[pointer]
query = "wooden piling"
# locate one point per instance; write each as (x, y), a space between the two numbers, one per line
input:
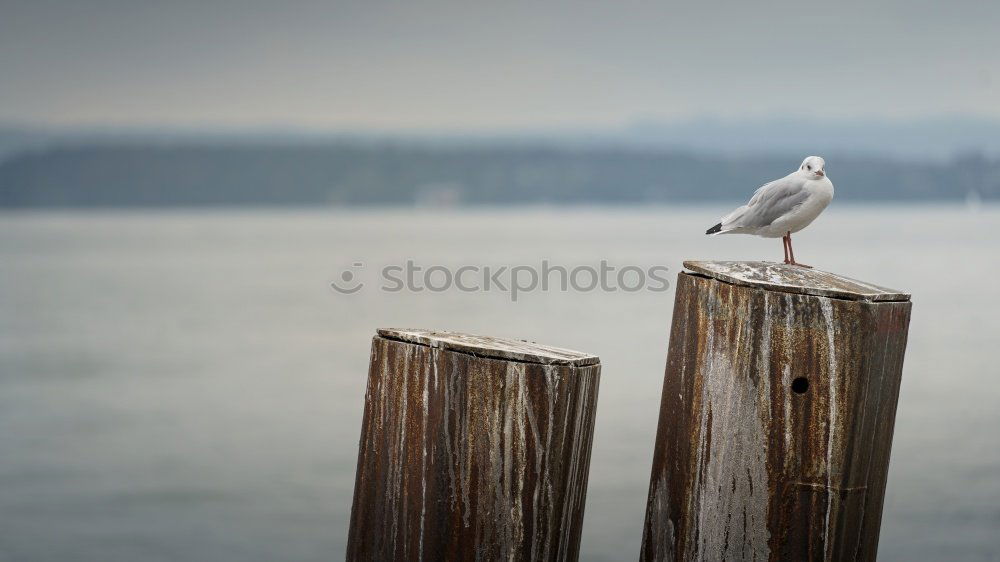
(472, 448)
(776, 417)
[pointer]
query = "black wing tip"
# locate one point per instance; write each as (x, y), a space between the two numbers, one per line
(714, 229)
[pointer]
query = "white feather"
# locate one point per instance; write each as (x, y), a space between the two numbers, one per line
(784, 205)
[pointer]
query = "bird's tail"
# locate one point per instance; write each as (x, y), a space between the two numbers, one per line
(714, 229)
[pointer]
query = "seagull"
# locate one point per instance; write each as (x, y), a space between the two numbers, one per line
(783, 206)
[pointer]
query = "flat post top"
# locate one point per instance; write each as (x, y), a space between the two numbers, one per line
(794, 279)
(494, 348)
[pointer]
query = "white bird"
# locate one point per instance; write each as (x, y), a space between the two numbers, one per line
(783, 206)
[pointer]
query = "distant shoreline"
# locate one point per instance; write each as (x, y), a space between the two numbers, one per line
(432, 176)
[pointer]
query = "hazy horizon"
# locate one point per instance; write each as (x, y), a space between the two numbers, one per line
(937, 138)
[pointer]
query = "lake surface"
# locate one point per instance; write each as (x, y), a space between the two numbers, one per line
(186, 385)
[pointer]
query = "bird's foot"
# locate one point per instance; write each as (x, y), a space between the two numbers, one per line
(799, 264)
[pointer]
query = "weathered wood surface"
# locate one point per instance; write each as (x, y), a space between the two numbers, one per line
(794, 279)
(472, 449)
(497, 348)
(776, 422)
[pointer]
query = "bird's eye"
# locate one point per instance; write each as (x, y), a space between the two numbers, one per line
(809, 168)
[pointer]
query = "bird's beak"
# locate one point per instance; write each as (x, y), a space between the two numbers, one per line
(820, 173)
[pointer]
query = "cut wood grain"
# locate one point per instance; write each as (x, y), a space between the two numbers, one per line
(794, 279)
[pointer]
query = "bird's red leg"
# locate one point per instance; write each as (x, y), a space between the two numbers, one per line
(784, 245)
(791, 253)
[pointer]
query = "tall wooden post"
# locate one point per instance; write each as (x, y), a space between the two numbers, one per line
(472, 448)
(777, 415)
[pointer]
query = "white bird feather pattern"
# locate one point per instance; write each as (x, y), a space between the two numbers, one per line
(783, 206)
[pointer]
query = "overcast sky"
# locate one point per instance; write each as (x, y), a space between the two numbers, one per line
(470, 65)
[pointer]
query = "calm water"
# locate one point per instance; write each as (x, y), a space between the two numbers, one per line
(186, 386)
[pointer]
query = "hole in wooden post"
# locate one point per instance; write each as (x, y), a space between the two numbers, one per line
(800, 385)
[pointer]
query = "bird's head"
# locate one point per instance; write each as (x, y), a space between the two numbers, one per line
(813, 167)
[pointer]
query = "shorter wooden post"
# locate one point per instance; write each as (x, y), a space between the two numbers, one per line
(472, 448)
(776, 420)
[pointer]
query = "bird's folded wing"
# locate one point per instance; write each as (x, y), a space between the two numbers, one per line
(772, 201)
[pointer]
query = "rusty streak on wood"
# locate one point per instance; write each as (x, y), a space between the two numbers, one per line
(472, 448)
(777, 415)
